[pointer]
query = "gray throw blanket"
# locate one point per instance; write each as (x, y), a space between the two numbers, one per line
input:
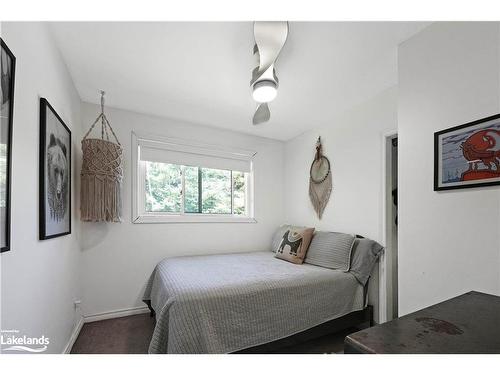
(225, 303)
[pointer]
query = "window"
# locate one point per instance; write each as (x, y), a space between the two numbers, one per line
(178, 181)
(206, 190)
(163, 187)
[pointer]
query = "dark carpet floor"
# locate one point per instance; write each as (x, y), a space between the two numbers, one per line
(131, 335)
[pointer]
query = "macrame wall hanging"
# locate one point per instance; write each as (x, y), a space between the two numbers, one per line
(102, 173)
(320, 180)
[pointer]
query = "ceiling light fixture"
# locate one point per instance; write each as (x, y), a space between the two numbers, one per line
(264, 91)
(270, 37)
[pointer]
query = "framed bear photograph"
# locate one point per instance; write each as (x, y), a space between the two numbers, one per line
(7, 70)
(55, 174)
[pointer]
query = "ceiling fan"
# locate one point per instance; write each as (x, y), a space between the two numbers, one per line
(270, 37)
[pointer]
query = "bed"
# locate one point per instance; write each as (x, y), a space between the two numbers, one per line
(232, 302)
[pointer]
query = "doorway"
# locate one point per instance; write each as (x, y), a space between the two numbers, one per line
(391, 225)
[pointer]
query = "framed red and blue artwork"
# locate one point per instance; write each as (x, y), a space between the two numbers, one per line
(468, 155)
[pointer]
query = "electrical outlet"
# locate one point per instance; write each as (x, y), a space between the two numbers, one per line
(77, 304)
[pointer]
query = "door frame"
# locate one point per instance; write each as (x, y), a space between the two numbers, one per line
(385, 290)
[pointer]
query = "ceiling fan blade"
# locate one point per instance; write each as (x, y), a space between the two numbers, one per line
(262, 114)
(270, 37)
(269, 74)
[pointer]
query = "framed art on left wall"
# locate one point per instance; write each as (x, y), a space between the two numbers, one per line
(7, 69)
(55, 174)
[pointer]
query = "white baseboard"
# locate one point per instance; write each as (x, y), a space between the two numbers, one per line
(74, 335)
(115, 314)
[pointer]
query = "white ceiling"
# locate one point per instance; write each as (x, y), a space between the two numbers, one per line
(200, 71)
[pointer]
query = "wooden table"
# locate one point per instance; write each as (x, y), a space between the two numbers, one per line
(469, 323)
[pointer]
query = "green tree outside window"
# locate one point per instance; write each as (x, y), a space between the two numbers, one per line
(206, 190)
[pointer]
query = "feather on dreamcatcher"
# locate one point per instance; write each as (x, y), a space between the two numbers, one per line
(320, 180)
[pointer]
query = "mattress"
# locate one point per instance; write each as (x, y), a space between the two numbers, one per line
(224, 303)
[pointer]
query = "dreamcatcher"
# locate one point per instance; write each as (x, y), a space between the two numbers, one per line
(320, 180)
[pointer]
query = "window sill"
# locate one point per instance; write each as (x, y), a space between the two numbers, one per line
(173, 219)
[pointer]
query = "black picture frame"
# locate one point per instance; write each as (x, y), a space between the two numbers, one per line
(45, 110)
(467, 177)
(6, 226)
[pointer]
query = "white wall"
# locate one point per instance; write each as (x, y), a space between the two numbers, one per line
(353, 144)
(118, 258)
(39, 279)
(448, 241)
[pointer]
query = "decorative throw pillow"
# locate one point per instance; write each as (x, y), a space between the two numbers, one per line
(294, 244)
(278, 236)
(365, 253)
(331, 250)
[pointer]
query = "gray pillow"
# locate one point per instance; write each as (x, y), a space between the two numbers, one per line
(330, 250)
(365, 253)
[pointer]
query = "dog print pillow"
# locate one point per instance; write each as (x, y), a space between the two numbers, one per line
(294, 244)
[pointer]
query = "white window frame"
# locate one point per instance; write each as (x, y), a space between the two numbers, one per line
(139, 214)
